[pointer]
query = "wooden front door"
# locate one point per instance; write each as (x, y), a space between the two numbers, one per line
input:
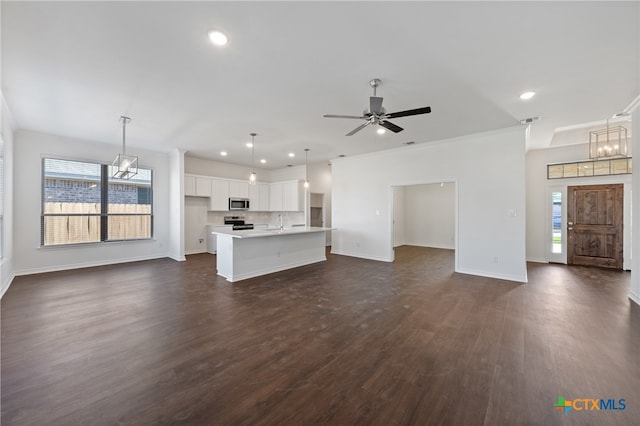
(594, 225)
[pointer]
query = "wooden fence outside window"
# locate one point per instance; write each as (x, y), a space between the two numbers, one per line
(70, 223)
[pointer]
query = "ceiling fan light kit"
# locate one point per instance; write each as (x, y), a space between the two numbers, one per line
(376, 114)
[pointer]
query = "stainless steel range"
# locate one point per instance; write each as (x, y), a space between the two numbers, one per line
(237, 222)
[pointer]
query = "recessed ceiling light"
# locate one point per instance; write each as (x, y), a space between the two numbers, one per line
(527, 95)
(381, 131)
(249, 145)
(223, 153)
(263, 161)
(291, 154)
(218, 38)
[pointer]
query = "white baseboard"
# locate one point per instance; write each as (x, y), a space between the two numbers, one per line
(634, 297)
(436, 246)
(537, 260)
(5, 286)
(358, 255)
(86, 265)
(507, 277)
(195, 251)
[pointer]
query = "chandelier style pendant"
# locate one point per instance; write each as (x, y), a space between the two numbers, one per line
(608, 142)
(124, 166)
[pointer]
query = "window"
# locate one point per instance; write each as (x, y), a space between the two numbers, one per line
(556, 223)
(82, 203)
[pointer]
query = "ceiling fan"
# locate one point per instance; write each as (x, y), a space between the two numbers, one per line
(376, 114)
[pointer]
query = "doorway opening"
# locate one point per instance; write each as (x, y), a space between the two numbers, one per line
(316, 209)
(425, 215)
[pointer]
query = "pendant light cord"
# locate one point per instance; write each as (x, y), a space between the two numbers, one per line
(124, 127)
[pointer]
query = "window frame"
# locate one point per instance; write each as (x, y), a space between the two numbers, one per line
(104, 179)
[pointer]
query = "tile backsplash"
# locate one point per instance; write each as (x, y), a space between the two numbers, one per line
(270, 218)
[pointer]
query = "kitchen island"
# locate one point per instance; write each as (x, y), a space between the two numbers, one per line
(253, 252)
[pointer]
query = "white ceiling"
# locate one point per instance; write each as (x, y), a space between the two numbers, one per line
(73, 68)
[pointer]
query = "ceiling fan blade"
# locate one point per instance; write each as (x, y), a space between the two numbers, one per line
(357, 129)
(375, 104)
(343, 116)
(391, 126)
(417, 111)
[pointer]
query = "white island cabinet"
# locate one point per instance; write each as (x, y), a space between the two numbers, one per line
(254, 252)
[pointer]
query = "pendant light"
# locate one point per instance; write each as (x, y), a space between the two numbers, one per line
(306, 168)
(252, 176)
(124, 166)
(608, 142)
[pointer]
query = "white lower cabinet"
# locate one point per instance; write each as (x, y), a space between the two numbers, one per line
(212, 246)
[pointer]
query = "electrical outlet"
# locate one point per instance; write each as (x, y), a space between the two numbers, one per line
(201, 240)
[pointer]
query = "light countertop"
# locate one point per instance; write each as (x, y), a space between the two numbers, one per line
(256, 233)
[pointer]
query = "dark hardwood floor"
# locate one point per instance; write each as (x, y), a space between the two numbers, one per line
(347, 341)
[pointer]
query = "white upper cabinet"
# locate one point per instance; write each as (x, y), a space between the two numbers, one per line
(197, 186)
(264, 197)
(275, 197)
(293, 196)
(259, 197)
(219, 200)
(189, 186)
(238, 189)
(203, 187)
(286, 196)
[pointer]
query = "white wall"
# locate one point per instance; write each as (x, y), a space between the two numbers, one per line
(7, 261)
(634, 293)
(176, 205)
(289, 173)
(429, 215)
(489, 169)
(538, 208)
(201, 166)
(398, 216)
(29, 257)
(195, 219)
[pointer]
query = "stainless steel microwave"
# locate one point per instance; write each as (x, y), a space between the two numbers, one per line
(238, 204)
